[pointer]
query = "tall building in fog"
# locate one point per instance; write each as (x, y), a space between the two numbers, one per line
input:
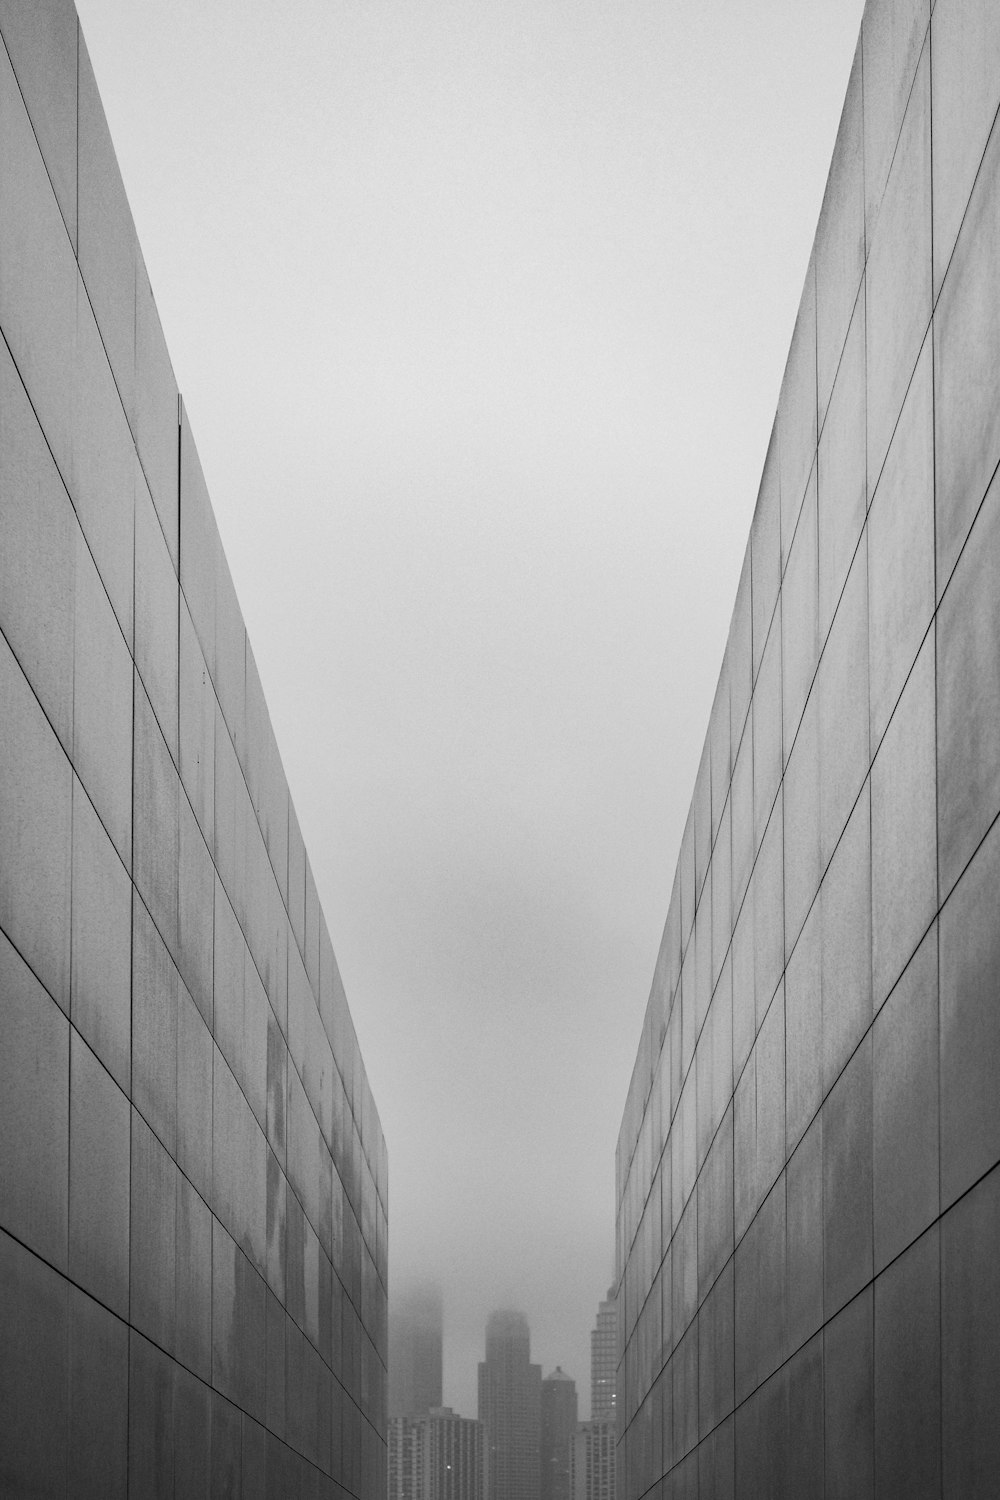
(455, 1449)
(439, 1456)
(592, 1461)
(510, 1408)
(604, 1359)
(558, 1425)
(415, 1342)
(406, 1459)
(592, 1455)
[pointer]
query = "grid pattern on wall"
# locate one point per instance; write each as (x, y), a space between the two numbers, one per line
(193, 1179)
(807, 1183)
(592, 1460)
(436, 1456)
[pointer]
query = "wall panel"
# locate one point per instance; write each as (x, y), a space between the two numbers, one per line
(859, 1124)
(176, 1269)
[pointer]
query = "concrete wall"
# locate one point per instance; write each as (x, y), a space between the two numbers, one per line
(192, 1172)
(808, 1193)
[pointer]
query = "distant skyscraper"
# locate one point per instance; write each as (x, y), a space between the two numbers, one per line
(406, 1467)
(440, 1456)
(415, 1351)
(558, 1426)
(455, 1449)
(592, 1461)
(510, 1408)
(603, 1360)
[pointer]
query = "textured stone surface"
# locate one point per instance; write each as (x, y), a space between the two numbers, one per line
(168, 1124)
(860, 972)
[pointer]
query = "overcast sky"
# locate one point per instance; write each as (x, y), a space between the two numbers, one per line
(480, 313)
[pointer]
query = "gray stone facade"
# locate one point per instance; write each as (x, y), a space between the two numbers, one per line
(192, 1172)
(808, 1192)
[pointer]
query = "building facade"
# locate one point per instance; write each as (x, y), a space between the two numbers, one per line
(604, 1360)
(406, 1459)
(456, 1456)
(193, 1179)
(558, 1425)
(510, 1409)
(807, 1173)
(415, 1350)
(592, 1460)
(437, 1456)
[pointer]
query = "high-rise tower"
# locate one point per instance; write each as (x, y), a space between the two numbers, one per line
(592, 1455)
(603, 1359)
(456, 1459)
(439, 1456)
(558, 1425)
(407, 1459)
(510, 1406)
(592, 1461)
(415, 1342)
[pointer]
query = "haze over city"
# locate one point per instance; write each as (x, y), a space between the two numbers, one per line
(480, 320)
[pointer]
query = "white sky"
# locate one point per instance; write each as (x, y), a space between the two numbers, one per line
(480, 315)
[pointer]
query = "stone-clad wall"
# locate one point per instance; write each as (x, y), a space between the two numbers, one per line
(808, 1192)
(192, 1172)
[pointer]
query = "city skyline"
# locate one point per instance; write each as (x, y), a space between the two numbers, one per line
(194, 1172)
(454, 349)
(466, 239)
(418, 1350)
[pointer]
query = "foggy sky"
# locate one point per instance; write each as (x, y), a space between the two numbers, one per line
(480, 315)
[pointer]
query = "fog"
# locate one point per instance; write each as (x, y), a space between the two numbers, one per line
(480, 315)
